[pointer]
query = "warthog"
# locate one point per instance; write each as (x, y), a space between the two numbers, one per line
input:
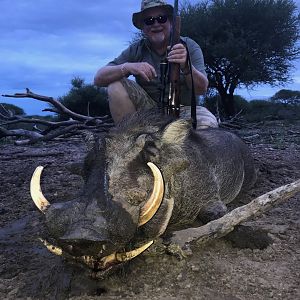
(148, 176)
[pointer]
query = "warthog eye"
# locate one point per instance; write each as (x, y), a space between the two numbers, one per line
(150, 151)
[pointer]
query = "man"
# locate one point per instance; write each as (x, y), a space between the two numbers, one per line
(142, 60)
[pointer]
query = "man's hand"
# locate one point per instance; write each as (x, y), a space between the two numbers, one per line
(178, 54)
(142, 69)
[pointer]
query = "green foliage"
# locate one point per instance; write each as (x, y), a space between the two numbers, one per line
(253, 41)
(244, 42)
(13, 108)
(86, 99)
(286, 97)
(241, 104)
(260, 110)
(214, 104)
(260, 104)
(255, 110)
(77, 82)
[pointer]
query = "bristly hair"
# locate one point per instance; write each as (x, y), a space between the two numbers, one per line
(144, 120)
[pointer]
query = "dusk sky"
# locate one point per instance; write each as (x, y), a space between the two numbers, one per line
(45, 43)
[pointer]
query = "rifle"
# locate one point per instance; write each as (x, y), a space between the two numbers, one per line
(170, 72)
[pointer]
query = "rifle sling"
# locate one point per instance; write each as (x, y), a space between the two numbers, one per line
(193, 95)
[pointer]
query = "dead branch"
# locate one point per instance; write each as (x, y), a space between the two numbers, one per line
(59, 107)
(34, 138)
(18, 119)
(51, 110)
(19, 133)
(229, 125)
(222, 226)
(236, 116)
(51, 129)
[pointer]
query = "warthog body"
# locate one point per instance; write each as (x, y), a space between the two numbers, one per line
(201, 171)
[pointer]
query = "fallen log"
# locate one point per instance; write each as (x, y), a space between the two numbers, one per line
(222, 226)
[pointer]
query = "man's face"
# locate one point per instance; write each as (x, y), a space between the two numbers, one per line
(157, 33)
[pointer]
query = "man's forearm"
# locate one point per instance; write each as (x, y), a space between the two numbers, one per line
(200, 81)
(108, 74)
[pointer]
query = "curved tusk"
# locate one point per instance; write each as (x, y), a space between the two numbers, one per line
(153, 203)
(35, 190)
(124, 256)
(132, 254)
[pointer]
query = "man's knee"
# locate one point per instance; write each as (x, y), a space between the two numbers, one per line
(120, 103)
(205, 119)
(116, 90)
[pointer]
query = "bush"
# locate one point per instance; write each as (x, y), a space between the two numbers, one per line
(13, 108)
(256, 110)
(288, 97)
(241, 104)
(265, 109)
(86, 99)
(214, 105)
(211, 103)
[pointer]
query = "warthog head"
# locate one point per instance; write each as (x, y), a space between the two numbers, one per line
(122, 192)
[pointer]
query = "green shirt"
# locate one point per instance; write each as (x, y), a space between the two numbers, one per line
(141, 52)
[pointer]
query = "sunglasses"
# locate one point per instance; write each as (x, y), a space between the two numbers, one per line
(151, 20)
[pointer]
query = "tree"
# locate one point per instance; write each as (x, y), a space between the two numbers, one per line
(16, 110)
(244, 42)
(86, 99)
(286, 97)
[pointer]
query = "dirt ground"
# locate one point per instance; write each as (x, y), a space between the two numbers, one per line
(213, 271)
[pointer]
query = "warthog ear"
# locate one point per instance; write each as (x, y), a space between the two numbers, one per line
(176, 132)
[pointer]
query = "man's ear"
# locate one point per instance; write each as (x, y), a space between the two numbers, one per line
(176, 132)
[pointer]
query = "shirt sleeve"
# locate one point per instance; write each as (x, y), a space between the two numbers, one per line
(128, 55)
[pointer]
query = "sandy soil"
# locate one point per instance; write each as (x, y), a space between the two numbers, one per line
(216, 270)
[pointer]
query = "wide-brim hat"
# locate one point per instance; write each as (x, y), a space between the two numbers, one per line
(137, 18)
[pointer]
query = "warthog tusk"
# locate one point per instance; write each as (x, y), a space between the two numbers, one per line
(124, 256)
(35, 190)
(102, 263)
(153, 203)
